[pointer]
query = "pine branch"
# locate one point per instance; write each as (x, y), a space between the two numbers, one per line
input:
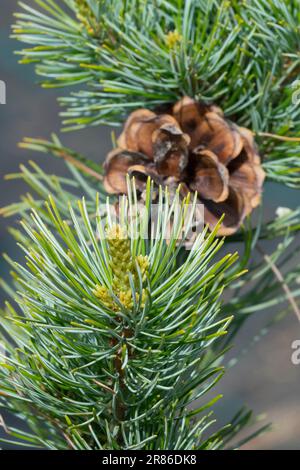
(143, 54)
(119, 357)
(140, 54)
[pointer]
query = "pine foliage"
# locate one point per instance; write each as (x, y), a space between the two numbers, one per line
(118, 342)
(123, 55)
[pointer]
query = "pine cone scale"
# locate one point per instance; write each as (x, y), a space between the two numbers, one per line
(209, 177)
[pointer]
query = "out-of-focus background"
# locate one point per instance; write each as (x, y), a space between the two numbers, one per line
(264, 378)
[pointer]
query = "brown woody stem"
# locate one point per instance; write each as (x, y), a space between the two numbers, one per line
(120, 408)
(281, 280)
(81, 166)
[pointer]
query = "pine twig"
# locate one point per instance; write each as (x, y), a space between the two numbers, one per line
(281, 280)
(81, 166)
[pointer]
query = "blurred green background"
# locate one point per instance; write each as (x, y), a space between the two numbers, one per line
(264, 378)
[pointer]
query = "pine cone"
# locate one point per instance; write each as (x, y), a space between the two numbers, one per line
(196, 146)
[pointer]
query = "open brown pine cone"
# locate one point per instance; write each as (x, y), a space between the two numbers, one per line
(196, 146)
